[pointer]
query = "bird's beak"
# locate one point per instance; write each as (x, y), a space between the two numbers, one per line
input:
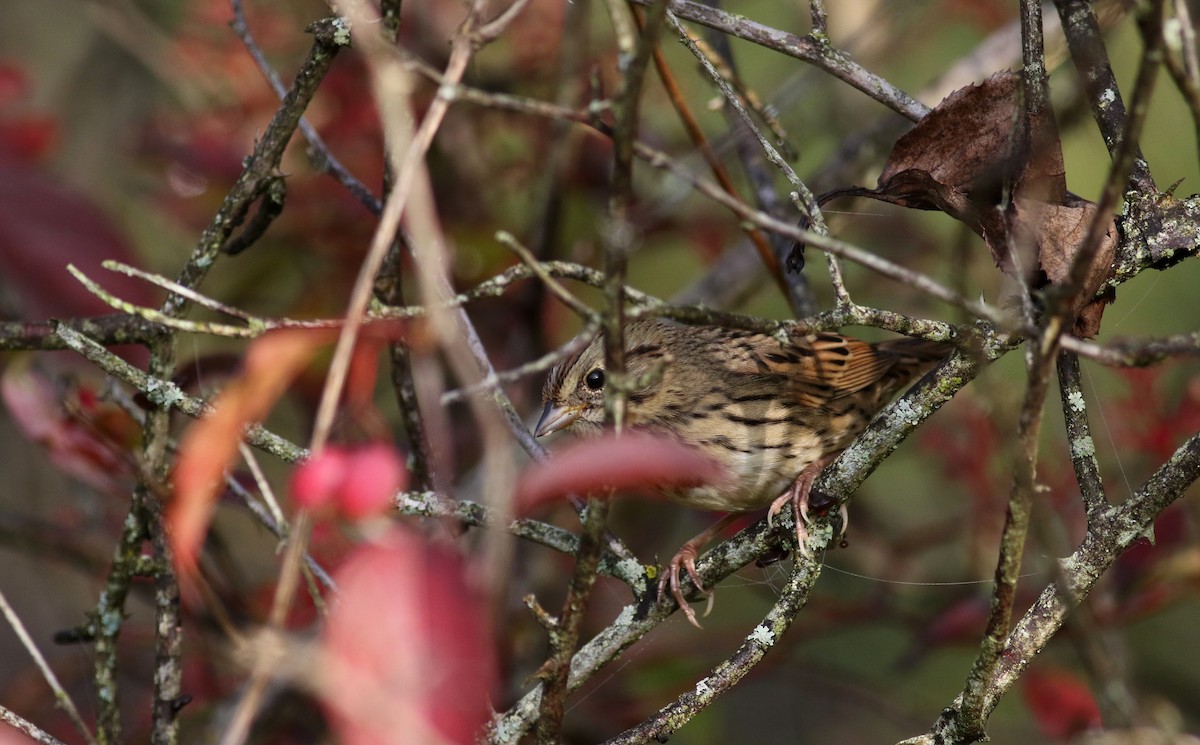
(555, 418)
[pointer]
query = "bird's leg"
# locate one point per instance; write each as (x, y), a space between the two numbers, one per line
(685, 557)
(797, 496)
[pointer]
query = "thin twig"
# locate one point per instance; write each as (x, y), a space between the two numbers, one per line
(319, 153)
(1040, 354)
(1079, 436)
(1084, 39)
(700, 142)
(805, 48)
(617, 239)
(765, 635)
(263, 162)
(28, 728)
(541, 364)
(61, 697)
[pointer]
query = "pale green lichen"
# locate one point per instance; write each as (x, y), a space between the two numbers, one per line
(630, 567)
(1083, 447)
(1075, 399)
(625, 617)
(907, 412)
(171, 397)
(509, 729)
(1106, 98)
(1172, 31)
(762, 635)
(341, 32)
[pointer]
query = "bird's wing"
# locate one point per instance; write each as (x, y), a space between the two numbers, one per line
(817, 368)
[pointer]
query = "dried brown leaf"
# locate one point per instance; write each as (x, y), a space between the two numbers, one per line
(979, 157)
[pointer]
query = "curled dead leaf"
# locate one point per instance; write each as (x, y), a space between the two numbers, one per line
(981, 158)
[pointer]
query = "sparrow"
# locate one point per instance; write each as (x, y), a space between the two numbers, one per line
(772, 413)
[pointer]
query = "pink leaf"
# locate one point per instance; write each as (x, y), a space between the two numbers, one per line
(373, 475)
(315, 482)
(208, 446)
(628, 461)
(407, 651)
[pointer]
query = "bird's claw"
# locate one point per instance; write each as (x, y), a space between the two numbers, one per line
(686, 558)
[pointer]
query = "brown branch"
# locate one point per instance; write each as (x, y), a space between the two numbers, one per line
(1079, 436)
(1040, 353)
(262, 164)
(111, 330)
(1090, 56)
(804, 48)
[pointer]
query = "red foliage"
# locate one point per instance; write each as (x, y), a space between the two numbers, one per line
(86, 439)
(23, 136)
(407, 651)
(353, 482)
(45, 224)
(1149, 422)
(208, 447)
(1061, 703)
(628, 461)
(1150, 576)
(966, 448)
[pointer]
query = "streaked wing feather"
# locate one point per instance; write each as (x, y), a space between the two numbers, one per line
(819, 368)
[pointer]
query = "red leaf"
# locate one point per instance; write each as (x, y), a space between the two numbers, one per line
(208, 446)
(407, 651)
(93, 451)
(373, 475)
(356, 482)
(628, 461)
(315, 481)
(1061, 703)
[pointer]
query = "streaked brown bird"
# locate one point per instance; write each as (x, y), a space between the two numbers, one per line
(771, 413)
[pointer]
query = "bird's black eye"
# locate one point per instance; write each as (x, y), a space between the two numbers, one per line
(595, 379)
